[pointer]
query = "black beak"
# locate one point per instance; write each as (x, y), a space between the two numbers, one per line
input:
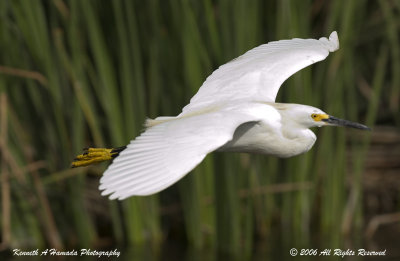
(339, 122)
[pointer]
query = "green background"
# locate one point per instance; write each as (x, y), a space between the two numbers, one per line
(80, 73)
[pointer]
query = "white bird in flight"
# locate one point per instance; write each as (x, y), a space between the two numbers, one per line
(234, 110)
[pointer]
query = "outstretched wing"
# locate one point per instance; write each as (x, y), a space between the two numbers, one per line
(259, 73)
(166, 152)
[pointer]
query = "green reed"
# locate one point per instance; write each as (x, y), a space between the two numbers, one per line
(88, 73)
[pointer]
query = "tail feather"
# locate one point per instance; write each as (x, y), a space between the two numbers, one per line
(95, 155)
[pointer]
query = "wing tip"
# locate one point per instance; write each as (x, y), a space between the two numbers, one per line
(121, 194)
(333, 42)
(112, 194)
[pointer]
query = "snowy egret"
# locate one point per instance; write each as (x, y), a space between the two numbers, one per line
(234, 110)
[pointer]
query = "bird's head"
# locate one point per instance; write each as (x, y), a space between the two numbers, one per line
(315, 117)
(309, 116)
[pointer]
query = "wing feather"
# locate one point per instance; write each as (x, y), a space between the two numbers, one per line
(166, 152)
(259, 73)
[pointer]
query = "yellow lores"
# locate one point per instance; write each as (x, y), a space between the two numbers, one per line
(319, 117)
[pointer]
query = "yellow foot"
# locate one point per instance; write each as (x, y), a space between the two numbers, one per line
(95, 155)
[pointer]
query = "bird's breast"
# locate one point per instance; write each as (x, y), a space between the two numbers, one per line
(262, 138)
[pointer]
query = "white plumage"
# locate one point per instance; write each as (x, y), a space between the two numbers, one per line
(234, 110)
(259, 73)
(164, 153)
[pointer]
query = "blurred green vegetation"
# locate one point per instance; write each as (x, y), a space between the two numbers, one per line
(87, 73)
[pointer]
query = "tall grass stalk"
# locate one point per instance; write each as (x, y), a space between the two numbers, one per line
(88, 73)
